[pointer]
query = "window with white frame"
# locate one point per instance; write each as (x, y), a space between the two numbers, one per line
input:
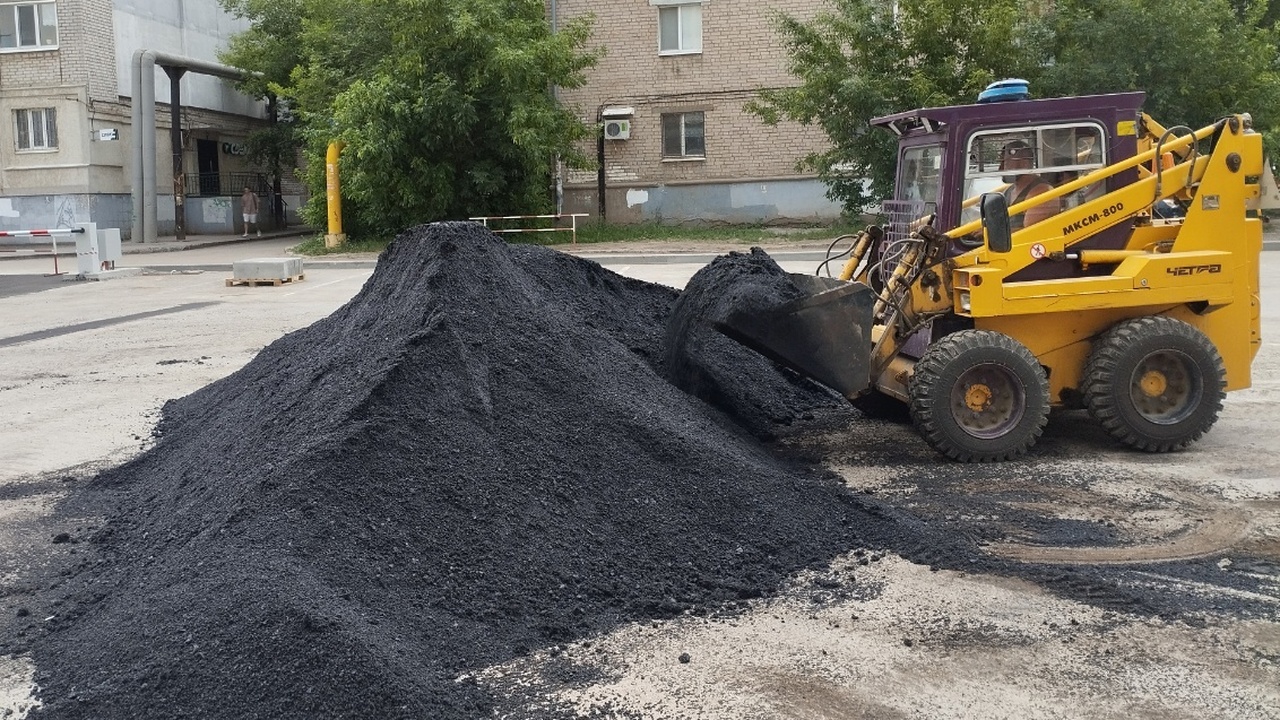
(28, 26)
(37, 129)
(683, 135)
(679, 28)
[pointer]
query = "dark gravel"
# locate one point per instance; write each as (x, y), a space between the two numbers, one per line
(476, 457)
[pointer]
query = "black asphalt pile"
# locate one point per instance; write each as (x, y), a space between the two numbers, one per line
(476, 457)
(708, 364)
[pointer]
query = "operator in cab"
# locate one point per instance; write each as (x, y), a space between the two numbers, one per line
(1017, 159)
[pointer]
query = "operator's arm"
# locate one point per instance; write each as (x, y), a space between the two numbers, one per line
(1043, 211)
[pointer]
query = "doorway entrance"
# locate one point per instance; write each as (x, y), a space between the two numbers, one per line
(207, 162)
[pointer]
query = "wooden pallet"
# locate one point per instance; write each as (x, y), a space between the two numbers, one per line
(277, 282)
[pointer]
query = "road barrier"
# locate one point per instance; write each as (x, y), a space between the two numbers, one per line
(51, 234)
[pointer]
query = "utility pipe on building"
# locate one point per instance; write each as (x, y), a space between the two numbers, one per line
(143, 133)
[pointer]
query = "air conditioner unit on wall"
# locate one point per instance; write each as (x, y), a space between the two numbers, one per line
(617, 129)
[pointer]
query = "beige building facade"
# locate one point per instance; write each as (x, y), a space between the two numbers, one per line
(66, 135)
(678, 145)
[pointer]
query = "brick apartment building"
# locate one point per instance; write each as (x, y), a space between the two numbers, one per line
(66, 101)
(670, 93)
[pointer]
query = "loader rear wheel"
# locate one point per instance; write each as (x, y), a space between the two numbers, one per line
(979, 396)
(1155, 383)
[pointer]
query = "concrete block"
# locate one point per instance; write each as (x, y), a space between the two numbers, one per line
(267, 269)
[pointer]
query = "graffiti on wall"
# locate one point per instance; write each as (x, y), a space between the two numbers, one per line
(216, 211)
(68, 212)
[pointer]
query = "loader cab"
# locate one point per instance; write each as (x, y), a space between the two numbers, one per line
(949, 156)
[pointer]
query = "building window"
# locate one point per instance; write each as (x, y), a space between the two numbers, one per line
(37, 129)
(683, 135)
(28, 26)
(679, 29)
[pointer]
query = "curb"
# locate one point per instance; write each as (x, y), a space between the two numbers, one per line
(227, 266)
(132, 248)
(167, 246)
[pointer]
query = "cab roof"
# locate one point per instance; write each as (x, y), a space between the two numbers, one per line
(930, 120)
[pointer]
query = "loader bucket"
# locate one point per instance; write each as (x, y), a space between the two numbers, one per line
(824, 335)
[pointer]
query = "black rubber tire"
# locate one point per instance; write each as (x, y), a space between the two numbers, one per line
(1155, 383)
(979, 396)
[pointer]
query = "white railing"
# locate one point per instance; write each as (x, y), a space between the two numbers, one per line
(572, 228)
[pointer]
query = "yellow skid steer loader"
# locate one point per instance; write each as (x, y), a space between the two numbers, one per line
(1125, 282)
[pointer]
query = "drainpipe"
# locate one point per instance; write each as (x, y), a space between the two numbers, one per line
(600, 179)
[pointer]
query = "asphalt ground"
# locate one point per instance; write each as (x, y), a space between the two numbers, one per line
(88, 365)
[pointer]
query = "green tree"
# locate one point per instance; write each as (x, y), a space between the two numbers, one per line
(1196, 59)
(272, 57)
(859, 60)
(444, 106)
(1201, 59)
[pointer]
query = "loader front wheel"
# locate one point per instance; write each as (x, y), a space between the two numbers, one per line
(979, 396)
(1155, 383)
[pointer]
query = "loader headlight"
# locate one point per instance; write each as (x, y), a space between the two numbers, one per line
(964, 302)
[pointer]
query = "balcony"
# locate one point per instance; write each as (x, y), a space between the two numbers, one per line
(225, 184)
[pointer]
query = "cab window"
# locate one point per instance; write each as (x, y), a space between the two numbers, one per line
(1059, 153)
(921, 170)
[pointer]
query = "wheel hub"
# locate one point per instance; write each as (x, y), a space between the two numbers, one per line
(1163, 388)
(1153, 383)
(977, 397)
(988, 401)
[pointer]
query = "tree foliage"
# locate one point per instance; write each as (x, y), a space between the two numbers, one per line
(1196, 60)
(1211, 58)
(444, 106)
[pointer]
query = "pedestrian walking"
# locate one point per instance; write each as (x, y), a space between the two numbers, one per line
(249, 206)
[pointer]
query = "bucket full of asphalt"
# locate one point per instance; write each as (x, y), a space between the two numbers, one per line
(491, 449)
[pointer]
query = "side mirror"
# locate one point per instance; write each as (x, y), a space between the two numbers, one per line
(995, 222)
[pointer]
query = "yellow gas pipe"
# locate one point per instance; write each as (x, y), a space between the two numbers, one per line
(333, 195)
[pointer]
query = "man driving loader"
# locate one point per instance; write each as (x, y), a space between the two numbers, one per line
(1019, 158)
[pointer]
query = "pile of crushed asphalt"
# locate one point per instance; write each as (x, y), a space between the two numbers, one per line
(706, 363)
(478, 456)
